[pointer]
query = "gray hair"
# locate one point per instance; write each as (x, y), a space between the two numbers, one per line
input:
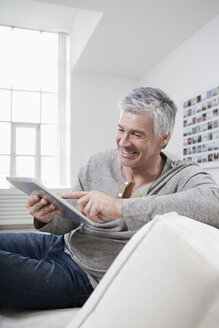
(154, 102)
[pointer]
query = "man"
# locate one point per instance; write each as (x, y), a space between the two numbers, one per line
(120, 191)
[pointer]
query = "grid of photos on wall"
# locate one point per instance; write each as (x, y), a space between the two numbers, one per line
(201, 128)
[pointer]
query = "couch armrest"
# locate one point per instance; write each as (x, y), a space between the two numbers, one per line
(166, 276)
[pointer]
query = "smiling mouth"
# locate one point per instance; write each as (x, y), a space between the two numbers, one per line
(128, 153)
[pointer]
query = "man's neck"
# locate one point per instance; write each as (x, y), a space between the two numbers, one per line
(143, 175)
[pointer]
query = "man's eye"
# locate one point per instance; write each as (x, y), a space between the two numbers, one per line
(137, 135)
(121, 130)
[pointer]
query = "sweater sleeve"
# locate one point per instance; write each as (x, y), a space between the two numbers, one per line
(60, 225)
(197, 197)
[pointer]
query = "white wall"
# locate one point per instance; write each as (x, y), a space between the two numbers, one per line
(82, 29)
(94, 115)
(191, 68)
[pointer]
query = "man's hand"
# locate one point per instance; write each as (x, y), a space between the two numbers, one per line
(41, 209)
(95, 204)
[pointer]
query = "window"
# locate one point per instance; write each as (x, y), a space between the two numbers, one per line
(33, 112)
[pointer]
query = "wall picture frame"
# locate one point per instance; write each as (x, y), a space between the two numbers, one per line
(201, 128)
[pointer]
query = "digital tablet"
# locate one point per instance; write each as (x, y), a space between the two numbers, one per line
(32, 186)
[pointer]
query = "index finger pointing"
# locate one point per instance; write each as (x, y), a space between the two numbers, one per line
(74, 194)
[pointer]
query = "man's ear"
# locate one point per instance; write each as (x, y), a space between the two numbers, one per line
(164, 140)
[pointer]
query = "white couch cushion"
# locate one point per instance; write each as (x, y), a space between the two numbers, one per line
(36, 319)
(166, 276)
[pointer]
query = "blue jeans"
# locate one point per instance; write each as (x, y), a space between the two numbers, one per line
(36, 273)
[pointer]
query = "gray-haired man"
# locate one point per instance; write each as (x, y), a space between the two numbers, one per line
(121, 190)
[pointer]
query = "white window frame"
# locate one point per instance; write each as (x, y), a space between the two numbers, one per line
(62, 107)
(14, 126)
(62, 126)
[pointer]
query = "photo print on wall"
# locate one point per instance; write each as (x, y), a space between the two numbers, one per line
(201, 128)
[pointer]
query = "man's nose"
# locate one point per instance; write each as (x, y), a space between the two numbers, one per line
(125, 140)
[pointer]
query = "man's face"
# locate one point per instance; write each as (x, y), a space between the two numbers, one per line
(135, 140)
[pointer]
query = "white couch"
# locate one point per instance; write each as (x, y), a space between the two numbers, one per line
(167, 276)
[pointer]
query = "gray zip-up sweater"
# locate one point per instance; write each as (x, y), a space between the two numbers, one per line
(183, 187)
